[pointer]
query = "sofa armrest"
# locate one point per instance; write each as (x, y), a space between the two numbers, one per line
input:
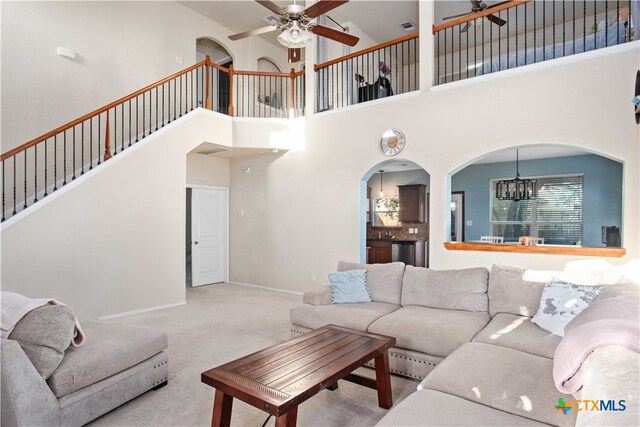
(320, 296)
(26, 398)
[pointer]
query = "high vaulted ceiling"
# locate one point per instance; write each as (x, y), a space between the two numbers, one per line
(378, 19)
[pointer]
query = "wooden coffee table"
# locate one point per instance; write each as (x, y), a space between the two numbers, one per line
(279, 378)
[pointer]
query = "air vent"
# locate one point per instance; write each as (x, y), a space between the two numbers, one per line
(408, 26)
(271, 20)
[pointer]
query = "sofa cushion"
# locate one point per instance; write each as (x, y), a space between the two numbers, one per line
(433, 408)
(464, 289)
(355, 316)
(509, 293)
(384, 281)
(612, 372)
(109, 348)
(432, 331)
(519, 333)
(622, 290)
(44, 334)
(502, 378)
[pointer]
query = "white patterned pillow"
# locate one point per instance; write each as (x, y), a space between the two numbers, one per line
(562, 301)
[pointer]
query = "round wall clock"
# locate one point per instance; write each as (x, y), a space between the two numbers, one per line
(392, 142)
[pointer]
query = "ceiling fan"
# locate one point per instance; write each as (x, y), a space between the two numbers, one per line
(295, 24)
(477, 6)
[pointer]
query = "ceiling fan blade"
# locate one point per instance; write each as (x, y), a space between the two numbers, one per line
(465, 28)
(496, 20)
(253, 32)
(322, 6)
(272, 6)
(457, 16)
(336, 35)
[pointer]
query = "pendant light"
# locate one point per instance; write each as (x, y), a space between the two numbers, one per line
(381, 192)
(517, 189)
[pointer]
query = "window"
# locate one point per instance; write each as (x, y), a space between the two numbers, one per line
(385, 211)
(556, 215)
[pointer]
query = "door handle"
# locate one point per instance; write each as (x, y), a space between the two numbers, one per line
(196, 243)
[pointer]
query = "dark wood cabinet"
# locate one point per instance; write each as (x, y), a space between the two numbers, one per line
(378, 251)
(412, 202)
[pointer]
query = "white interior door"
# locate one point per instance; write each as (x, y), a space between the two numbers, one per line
(208, 236)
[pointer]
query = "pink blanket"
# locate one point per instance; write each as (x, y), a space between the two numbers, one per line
(603, 323)
(15, 307)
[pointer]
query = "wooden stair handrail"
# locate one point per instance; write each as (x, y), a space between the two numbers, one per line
(206, 62)
(27, 145)
(260, 73)
(352, 55)
(462, 20)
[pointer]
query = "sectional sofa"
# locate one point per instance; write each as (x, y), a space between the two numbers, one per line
(48, 383)
(468, 335)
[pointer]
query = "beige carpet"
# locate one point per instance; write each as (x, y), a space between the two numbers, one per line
(220, 323)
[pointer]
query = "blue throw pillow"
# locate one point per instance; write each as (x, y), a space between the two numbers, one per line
(349, 286)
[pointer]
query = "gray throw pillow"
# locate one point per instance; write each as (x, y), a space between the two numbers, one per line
(44, 334)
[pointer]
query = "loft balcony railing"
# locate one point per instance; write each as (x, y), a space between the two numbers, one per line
(535, 31)
(380, 71)
(42, 166)
(267, 95)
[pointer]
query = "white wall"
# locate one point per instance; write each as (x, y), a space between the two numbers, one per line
(121, 47)
(113, 241)
(203, 169)
(303, 208)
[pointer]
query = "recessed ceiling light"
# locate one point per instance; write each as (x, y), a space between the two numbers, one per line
(408, 26)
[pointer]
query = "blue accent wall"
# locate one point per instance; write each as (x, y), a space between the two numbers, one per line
(602, 192)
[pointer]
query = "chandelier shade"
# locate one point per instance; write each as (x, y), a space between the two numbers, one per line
(517, 189)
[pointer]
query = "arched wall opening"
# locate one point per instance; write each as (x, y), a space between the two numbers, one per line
(579, 200)
(219, 80)
(394, 213)
(268, 65)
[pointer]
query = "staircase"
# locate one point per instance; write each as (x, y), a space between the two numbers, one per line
(42, 166)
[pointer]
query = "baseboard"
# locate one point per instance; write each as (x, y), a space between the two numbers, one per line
(142, 310)
(267, 288)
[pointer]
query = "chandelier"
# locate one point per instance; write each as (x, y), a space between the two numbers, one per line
(517, 189)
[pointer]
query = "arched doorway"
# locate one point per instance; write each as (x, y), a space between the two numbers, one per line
(219, 80)
(395, 213)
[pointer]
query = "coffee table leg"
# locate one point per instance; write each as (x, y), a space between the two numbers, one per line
(222, 404)
(289, 419)
(383, 381)
(333, 386)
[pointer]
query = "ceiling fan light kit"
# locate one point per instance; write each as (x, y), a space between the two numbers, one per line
(294, 35)
(296, 26)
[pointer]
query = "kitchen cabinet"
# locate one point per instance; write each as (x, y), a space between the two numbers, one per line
(386, 251)
(412, 202)
(378, 251)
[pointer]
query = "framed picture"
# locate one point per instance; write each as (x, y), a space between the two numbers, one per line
(457, 216)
